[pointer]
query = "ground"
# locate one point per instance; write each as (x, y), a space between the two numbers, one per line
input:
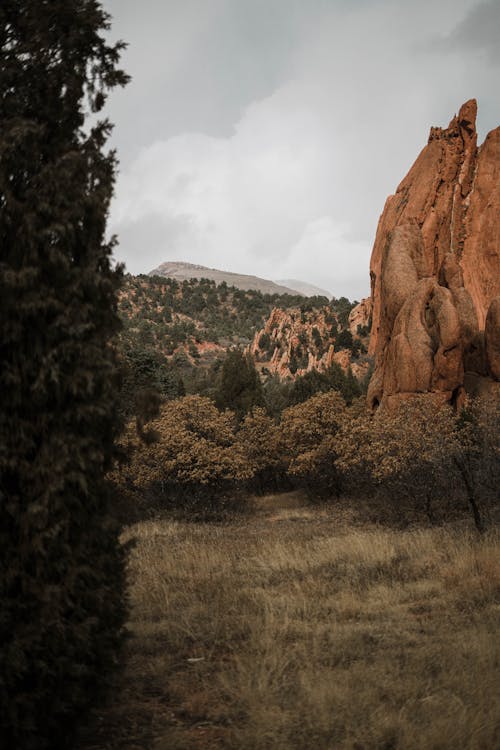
(295, 627)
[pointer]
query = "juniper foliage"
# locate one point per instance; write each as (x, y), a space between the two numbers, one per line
(61, 568)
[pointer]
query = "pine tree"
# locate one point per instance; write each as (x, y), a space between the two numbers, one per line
(239, 388)
(61, 568)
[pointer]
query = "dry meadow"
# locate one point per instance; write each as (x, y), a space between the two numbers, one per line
(291, 627)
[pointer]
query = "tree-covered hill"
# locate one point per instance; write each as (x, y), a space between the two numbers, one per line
(176, 333)
(169, 313)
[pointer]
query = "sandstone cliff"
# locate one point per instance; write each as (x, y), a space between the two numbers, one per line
(435, 271)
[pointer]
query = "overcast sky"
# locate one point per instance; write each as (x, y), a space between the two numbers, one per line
(263, 136)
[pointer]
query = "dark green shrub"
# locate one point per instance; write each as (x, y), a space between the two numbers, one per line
(264, 341)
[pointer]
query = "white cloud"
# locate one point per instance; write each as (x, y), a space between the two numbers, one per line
(293, 184)
(244, 201)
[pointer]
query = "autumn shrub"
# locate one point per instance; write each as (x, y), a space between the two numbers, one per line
(476, 456)
(422, 456)
(309, 439)
(190, 458)
(259, 440)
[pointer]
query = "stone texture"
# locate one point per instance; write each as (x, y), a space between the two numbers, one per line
(360, 315)
(291, 338)
(435, 269)
(492, 339)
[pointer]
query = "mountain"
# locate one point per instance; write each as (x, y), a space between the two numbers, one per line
(435, 271)
(181, 271)
(302, 287)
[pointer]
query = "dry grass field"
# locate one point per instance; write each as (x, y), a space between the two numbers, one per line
(296, 628)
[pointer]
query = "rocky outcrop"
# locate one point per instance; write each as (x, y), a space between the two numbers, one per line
(361, 315)
(294, 342)
(435, 271)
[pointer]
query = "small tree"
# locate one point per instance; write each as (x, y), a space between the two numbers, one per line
(276, 395)
(476, 454)
(259, 440)
(239, 386)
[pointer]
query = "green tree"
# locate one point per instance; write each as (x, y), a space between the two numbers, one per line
(344, 340)
(61, 568)
(314, 381)
(239, 387)
(276, 395)
(264, 341)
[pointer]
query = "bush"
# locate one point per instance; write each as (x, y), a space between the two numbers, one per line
(308, 432)
(190, 457)
(423, 452)
(259, 440)
(264, 342)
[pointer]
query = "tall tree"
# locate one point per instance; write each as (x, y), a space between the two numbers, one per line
(61, 568)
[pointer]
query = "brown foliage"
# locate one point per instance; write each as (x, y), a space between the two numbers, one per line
(194, 449)
(309, 437)
(425, 451)
(259, 439)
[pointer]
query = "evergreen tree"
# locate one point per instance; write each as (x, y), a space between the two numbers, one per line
(61, 568)
(239, 388)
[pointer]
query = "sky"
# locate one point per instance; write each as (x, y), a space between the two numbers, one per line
(263, 136)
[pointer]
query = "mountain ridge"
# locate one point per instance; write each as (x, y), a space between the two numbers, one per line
(182, 270)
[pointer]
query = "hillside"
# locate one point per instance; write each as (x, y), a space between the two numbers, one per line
(185, 271)
(176, 333)
(296, 341)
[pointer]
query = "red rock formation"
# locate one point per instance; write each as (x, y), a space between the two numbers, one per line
(435, 269)
(292, 342)
(360, 315)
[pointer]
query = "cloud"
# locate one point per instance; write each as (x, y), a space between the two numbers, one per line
(478, 32)
(288, 177)
(245, 200)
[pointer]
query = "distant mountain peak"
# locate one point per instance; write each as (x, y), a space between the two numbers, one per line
(303, 287)
(181, 270)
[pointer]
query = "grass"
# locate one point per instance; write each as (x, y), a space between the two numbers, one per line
(296, 628)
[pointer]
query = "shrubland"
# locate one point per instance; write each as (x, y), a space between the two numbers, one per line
(423, 458)
(367, 618)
